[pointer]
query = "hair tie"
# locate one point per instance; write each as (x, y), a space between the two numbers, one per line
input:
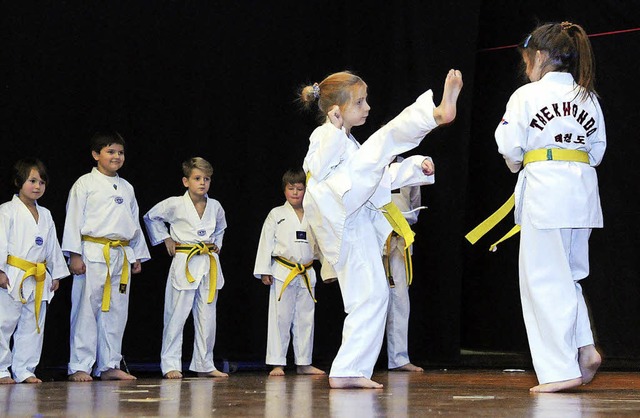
(316, 90)
(566, 25)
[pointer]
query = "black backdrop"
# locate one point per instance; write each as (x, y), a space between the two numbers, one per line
(219, 79)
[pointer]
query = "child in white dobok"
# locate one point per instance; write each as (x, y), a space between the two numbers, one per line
(194, 238)
(284, 262)
(31, 266)
(105, 245)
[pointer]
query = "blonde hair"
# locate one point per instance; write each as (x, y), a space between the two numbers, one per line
(336, 89)
(569, 51)
(199, 163)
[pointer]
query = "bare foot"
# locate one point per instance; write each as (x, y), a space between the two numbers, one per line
(408, 368)
(308, 370)
(446, 110)
(213, 373)
(353, 383)
(173, 374)
(80, 377)
(557, 386)
(7, 381)
(116, 374)
(589, 360)
(31, 379)
(277, 371)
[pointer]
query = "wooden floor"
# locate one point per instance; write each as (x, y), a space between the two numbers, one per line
(457, 393)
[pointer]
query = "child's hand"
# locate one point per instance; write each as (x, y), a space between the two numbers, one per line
(427, 167)
(267, 279)
(171, 246)
(4, 280)
(136, 267)
(215, 249)
(335, 117)
(76, 265)
(55, 285)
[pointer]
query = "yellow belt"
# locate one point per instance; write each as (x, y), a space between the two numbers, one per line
(39, 273)
(543, 154)
(124, 277)
(398, 222)
(201, 249)
(408, 263)
(296, 269)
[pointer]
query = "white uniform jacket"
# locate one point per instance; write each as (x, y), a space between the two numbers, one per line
(103, 207)
(186, 227)
(328, 154)
(21, 236)
(284, 235)
(550, 114)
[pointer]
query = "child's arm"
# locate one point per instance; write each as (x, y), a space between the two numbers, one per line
(171, 246)
(55, 284)
(76, 265)
(266, 246)
(4, 280)
(155, 221)
(221, 226)
(267, 279)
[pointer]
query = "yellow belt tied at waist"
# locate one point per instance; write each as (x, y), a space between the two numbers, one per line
(39, 273)
(408, 263)
(296, 269)
(543, 154)
(124, 277)
(201, 249)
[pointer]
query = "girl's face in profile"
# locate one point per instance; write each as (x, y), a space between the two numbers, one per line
(356, 111)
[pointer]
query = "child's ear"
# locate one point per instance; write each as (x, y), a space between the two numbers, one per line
(185, 182)
(96, 156)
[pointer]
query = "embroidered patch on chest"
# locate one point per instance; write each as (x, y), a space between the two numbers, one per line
(301, 234)
(202, 233)
(39, 241)
(118, 199)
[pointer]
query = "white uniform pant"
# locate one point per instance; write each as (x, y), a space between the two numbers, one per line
(96, 336)
(365, 294)
(398, 312)
(293, 314)
(552, 261)
(177, 306)
(19, 320)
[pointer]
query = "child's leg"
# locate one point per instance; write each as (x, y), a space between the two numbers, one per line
(86, 297)
(27, 343)
(365, 294)
(405, 132)
(549, 306)
(398, 316)
(279, 325)
(588, 357)
(111, 326)
(204, 323)
(303, 331)
(177, 306)
(9, 316)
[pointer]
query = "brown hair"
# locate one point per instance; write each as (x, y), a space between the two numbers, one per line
(293, 176)
(336, 89)
(199, 163)
(22, 168)
(569, 51)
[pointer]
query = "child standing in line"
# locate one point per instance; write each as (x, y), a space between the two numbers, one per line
(102, 237)
(553, 133)
(348, 204)
(194, 238)
(399, 269)
(285, 263)
(31, 266)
